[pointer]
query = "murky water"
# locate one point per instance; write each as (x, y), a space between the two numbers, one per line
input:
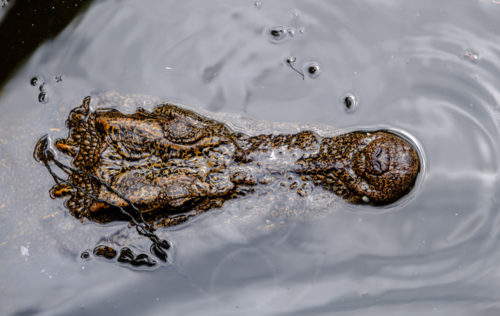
(429, 68)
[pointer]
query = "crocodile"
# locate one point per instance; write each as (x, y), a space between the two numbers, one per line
(169, 164)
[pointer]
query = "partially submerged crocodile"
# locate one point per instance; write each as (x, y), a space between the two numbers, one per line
(169, 164)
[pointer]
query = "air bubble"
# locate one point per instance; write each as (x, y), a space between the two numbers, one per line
(471, 55)
(43, 98)
(277, 34)
(290, 61)
(85, 255)
(350, 102)
(42, 88)
(25, 251)
(257, 4)
(34, 81)
(312, 70)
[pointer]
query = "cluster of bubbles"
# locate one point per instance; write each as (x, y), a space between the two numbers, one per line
(42, 96)
(311, 69)
(278, 34)
(42, 88)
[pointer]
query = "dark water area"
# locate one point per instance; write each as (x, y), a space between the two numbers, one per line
(26, 24)
(429, 69)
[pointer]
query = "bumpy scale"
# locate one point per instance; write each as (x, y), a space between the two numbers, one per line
(172, 163)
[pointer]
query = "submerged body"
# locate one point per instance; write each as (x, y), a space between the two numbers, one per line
(172, 163)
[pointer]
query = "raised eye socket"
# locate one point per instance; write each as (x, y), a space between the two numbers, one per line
(182, 132)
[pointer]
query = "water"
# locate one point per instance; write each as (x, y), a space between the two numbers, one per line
(428, 68)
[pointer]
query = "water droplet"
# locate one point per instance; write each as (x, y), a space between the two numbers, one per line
(290, 31)
(257, 4)
(43, 98)
(290, 61)
(25, 251)
(84, 255)
(34, 81)
(276, 34)
(312, 69)
(42, 88)
(471, 55)
(350, 102)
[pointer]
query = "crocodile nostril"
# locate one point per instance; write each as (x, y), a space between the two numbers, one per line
(380, 160)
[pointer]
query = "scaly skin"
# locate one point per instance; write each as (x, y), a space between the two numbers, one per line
(173, 161)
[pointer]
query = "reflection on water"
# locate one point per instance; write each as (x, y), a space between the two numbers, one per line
(414, 66)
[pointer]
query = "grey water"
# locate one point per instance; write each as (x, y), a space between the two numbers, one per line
(430, 69)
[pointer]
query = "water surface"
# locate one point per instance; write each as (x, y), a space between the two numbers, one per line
(428, 68)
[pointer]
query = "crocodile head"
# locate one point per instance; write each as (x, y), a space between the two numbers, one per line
(172, 161)
(364, 167)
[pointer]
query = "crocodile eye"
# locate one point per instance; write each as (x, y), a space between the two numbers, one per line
(182, 132)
